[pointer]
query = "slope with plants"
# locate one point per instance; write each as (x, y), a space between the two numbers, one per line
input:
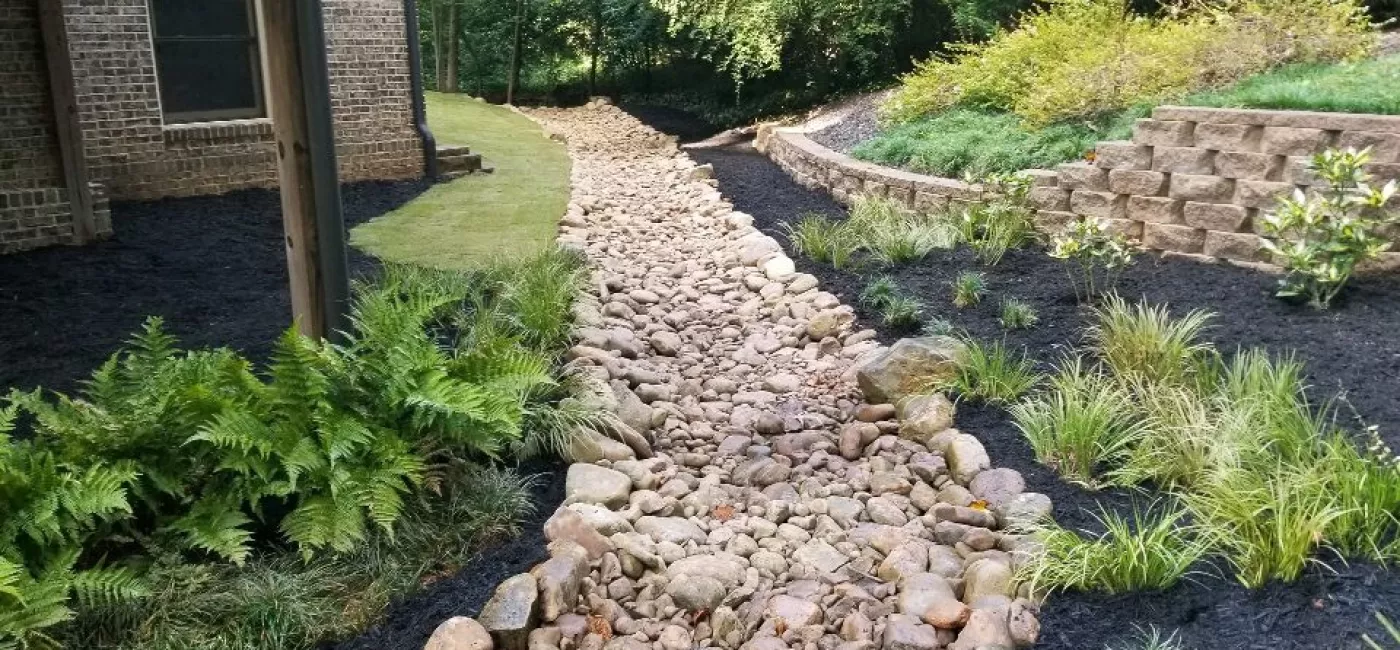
(1078, 71)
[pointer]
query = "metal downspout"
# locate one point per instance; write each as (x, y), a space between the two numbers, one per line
(415, 74)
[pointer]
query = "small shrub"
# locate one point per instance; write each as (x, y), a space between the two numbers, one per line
(893, 235)
(822, 240)
(1145, 552)
(1083, 424)
(1390, 629)
(939, 327)
(879, 292)
(903, 313)
(1002, 220)
(968, 288)
(1321, 238)
(991, 373)
(1145, 341)
(1018, 314)
(1095, 259)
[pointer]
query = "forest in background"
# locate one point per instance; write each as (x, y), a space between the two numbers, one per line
(726, 60)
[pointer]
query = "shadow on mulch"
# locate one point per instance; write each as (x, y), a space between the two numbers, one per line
(410, 621)
(1355, 348)
(213, 267)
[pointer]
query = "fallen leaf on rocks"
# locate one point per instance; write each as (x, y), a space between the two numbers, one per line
(723, 512)
(600, 626)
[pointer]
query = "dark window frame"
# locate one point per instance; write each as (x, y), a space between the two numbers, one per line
(255, 45)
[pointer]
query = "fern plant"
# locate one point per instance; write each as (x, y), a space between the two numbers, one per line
(48, 511)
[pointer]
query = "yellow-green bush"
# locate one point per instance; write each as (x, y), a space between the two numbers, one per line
(1077, 58)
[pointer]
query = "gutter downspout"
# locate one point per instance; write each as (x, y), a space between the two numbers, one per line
(415, 75)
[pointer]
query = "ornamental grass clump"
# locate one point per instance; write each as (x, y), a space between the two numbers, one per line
(968, 289)
(1321, 237)
(1084, 424)
(822, 239)
(993, 374)
(897, 309)
(1095, 259)
(1145, 341)
(1017, 314)
(1147, 551)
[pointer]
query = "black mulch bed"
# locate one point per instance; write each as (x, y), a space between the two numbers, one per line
(1355, 348)
(410, 621)
(213, 267)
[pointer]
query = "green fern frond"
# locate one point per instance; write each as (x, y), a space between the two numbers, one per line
(107, 586)
(218, 525)
(322, 522)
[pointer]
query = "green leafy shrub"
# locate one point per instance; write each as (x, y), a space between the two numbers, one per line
(1084, 424)
(968, 288)
(1080, 58)
(1002, 220)
(1321, 238)
(1017, 314)
(1149, 551)
(1094, 258)
(992, 373)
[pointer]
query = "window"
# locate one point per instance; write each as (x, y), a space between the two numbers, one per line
(207, 59)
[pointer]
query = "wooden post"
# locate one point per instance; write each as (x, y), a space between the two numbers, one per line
(69, 130)
(299, 102)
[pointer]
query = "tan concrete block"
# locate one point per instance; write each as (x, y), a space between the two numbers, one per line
(1228, 137)
(1244, 247)
(1168, 237)
(1214, 216)
(1251, 166)
(1125, 227)
(1123, 155)
(1099, 205)
(1083, 176)
(1050, 198)
(1154, 209)
(1261, 194)
(1043, 177)
(1288, 141)
(1207, 189)
(1164, 133)
(929, 202)
(876, 190)
(1137, 182)
(1297, 170)
(1183, 160)
(1053, 222)
(1385, 147)
(1383, 172)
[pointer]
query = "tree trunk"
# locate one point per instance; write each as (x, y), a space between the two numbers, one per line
(453, 49)
(594, 46)
(516, 52)
(439, 49)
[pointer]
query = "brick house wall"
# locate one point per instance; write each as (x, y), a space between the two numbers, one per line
(133, 154)
(33, 202)
(137, 156)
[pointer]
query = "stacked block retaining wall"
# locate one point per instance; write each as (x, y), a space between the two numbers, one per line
(1194, 181)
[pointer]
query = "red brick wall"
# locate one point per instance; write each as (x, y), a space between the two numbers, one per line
(33, 205)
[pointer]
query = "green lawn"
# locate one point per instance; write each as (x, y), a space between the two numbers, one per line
(471, 220)
(959, 141)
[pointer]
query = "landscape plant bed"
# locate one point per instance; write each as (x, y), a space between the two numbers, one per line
(213, 267)
(1351, 349)
(409, 622)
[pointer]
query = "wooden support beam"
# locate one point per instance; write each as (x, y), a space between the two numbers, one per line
(69, 130)
(300, 106)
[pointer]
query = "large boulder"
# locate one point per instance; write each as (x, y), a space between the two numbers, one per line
(925, 416)
(587, 483)
(908, 367)
(460, 633)
(512, 612)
